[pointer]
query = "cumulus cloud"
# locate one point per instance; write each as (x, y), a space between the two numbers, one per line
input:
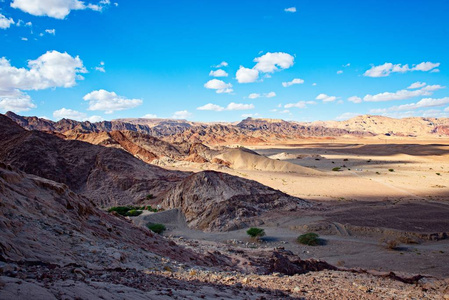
(51, 31)
(403, 94)
(266, 95)
(182, 114)
(423, 103)
(15, 100)
(58, 9)
(5, 22)
(222, 64)
(300, 104)
(218, 73)
(231, 106)
(150, 116)
(416, 85)
(50, 70)
(271, 62)
(355, 99)
(387, 68)
(294, 81)
(66, 113)
(326, 98)
(100, 68)
(290, 9)
(245, 75)
(219, 86)
(109, 101)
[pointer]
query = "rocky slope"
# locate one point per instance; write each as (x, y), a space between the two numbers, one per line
(106, 175)
(213, 201)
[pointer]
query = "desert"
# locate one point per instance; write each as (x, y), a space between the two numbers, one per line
(224, 150)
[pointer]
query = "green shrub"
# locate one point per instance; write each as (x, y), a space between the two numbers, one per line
(336, 169)
(133, 213)
(121, 210)
(156, 228)
(391, 170)
(255, 232)
(310, 239)
(150, 196)
(439, 174)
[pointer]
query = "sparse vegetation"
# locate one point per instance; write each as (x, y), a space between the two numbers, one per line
(310, 239)
(150, 196)
(157, 228)
(391, 170)
(390, 244)
(336, 169)
(377, 173)
(255, 232)
(345, 159)
(439, 174)
(131, 211)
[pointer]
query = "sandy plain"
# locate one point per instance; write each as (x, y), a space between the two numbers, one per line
(385, 190)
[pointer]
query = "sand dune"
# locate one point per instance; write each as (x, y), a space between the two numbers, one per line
(247, 161)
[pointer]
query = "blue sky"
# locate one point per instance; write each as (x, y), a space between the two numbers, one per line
(298, 60)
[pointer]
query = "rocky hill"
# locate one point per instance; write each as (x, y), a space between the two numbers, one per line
(213, 201)
(106, 175)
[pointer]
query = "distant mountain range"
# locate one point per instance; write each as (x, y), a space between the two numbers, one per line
(248, 131)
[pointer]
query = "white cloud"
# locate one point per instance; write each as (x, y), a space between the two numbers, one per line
(245, 75)
(387, 68)
(290, 9)
(250, 115)
(182, 114)
(347, 65)
(109, 101)
(271, 62)
(416, 85)
(211, 106)
(266, 95)
(403, 94)
(52, 69)
(222, 64)
(339, 72)
(100, 68)
(346, 116)
(423, 103)
(51, 31)
(314, 84)
(300, 104)
(219, 86)
(355, 99)
(254, 96)
(231, 106)
(270, 95)
(15, 100)
(326, 98)
(294, 81)
(24, 39)
(218, 73)
(58, 9)
(149, 116)
(66, 113)
(5, 22)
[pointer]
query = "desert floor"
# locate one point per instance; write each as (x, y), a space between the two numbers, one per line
(385, 190)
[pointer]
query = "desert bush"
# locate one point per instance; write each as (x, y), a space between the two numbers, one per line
(391, 170)
(390, 244)
(255, 232)
(310, 239)
(336, 169)
(157, 228)
(133, 213)
(121, 210)
(439, 174)
(150, 196)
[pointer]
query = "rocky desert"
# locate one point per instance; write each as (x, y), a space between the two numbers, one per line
(244, 149)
